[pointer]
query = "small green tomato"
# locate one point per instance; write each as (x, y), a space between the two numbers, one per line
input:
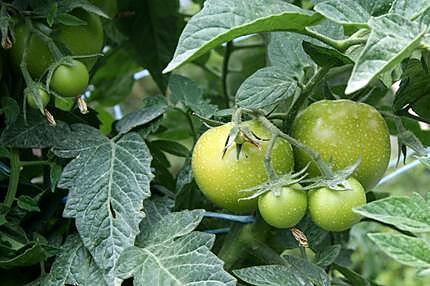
(332, 210)
(285, 209)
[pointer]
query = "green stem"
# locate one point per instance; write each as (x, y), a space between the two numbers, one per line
(268, 158)
(34, 163)
(192, 128)
(295, 108)
(227, 53)
(55, 51)
(341, 45)
(15, 169)
(303, 252)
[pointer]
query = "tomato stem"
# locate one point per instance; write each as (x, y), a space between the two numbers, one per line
(15, 169)
(227, 54)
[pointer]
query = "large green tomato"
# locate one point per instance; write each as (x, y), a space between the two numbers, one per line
(221, 178)
(342, 131)
(285, 210)
(70, 81)
(79, 40)
(332, 210)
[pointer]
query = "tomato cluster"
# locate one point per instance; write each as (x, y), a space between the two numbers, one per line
(341, 131)
(70, 78)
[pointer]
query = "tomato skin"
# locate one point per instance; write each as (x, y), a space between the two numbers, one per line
(285, 210)
(342, 131)
(332, 210)
(79, 40)
(70, 81)
(43, 95)
(221, 178)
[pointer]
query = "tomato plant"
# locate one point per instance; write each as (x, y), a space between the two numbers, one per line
(70, 80)
(214, 142)
(217, 174)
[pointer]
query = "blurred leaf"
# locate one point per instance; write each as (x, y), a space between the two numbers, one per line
(346, 12)
(383, 52)
(310, 271)
(221, 21)
(113, 80)
(28, 203)
(36, 133)
(142, 116)
(74, 265)
(107, 181)
(325, 56)
(405, 249)
(10, 109)
(153, 32)
(351, 276)
(54, 175)
(410, 9)
(266, 87)
(327, 256)
(171, 253)
(32, 253)
(410, 214)
(189, 94)
(172, 147)
(271, 275)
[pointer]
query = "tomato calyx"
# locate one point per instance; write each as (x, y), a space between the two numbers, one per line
(240, 135)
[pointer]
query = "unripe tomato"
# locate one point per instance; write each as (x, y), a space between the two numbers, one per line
(43, 97)
(79, 40)
(70, 81)
(221, 178)
(342, 131)
(332, 210)
(285, 210)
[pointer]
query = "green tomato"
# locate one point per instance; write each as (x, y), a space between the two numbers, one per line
(79, 40)
(70, 81)
(332, 210)
(43, 97)
(284, 210)
(221, 178)
(342, 131)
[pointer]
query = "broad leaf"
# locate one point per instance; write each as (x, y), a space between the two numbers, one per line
(325, 56)
(187, 92)
(170, 252)
(108, 181)
(410, 9)
(32, 253)
(410, 214)
(153, 33)
(266, 87)
(351, 276)
(75, 266)
(405, 249)
(327, 256)
(346, 12)
(271, 275)
(35, 133)
(223, 20)
(393, 38)
(312, 272)
(149, 112)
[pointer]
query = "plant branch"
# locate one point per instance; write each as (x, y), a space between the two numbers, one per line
(15, 169)
(227, 54)
(34, 163)
(341, 45)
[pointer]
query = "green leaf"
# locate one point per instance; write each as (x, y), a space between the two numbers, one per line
(153, 33)
(75, 266)
(266, 87)
(327, 256)
(271, 275)
(30, 254)
(171, 253)
(407, 250)
(10, 109)
(325, 56)
(410, 9)
(35, 133)
(393, 38)
(107, 181)
(314, 273)
(172, 147)
(28, 203)
(223, 20)
(351, 276)
(186, 91)
(148, 113)
(410, 214)
(345, 12)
